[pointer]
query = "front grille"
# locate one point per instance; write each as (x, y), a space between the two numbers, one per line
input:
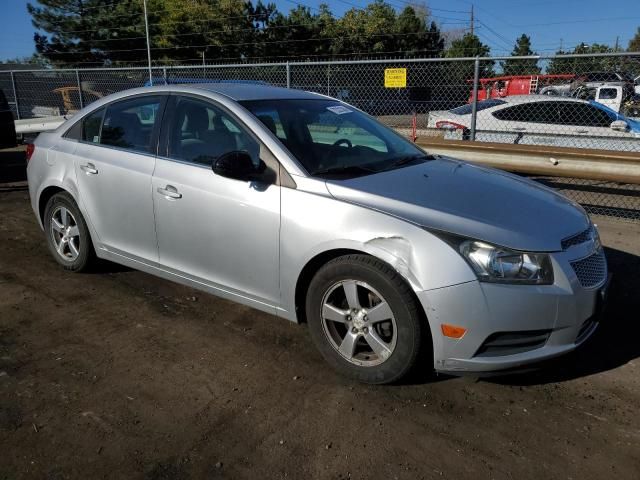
(510, 343)
(592, 270)
(577, 239)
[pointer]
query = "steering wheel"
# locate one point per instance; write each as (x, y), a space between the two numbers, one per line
(343, 140)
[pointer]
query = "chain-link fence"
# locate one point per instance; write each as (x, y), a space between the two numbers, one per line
(580, 101)
(575, 101)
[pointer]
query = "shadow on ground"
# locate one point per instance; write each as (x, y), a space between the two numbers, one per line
(12, 168)
(614, 344)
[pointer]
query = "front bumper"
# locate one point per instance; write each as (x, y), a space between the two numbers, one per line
(558, 317)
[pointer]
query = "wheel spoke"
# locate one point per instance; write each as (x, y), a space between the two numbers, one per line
(348, 345)
(73, 248)
(74, 231)
(64, 216)
(351, 292)
(56, 225)
(60, 248)
(329, 312)
(380, 312)
(377, 344)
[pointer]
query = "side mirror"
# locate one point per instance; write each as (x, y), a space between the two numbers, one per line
(237, 165)
(619, 126)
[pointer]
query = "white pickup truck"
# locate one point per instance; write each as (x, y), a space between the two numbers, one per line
(613, 96)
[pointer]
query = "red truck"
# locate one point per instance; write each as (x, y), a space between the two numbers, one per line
(498, 87)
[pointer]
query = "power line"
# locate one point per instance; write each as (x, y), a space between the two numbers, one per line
(182, 47)
(568, 22)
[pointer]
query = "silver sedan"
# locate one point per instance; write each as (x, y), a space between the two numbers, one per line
(304, 207)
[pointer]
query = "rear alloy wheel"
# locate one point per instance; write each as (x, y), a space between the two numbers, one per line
(67, 233)
(365, 320)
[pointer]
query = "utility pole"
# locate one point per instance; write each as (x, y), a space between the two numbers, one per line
(146, 27)
(615, 49)
(472, 22)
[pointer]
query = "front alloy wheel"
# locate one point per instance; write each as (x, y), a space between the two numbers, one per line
(366, 321)
(359, 323)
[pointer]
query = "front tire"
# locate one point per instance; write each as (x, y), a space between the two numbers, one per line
(365, 320)
(67, 234)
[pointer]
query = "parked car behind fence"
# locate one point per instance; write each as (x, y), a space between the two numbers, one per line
(542, 120)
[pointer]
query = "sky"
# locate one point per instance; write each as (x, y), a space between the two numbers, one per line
(549, 23)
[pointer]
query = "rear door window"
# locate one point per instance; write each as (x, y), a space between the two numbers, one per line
(583, 114)
(130, 123)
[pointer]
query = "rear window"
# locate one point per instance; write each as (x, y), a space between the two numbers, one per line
(466, 109)
(129, 123)
(91, 125)
(608, 94)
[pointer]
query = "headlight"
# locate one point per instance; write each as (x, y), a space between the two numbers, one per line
(498, 264)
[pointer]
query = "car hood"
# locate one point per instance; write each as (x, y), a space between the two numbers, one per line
(468, 200)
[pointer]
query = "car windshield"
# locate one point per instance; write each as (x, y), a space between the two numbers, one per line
(466, 109)
(331, 139)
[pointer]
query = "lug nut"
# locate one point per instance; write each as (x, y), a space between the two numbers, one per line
(354, 330)
(365, 330)
(365, 318)
(348, 318)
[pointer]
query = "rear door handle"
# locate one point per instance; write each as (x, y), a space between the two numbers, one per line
(89, 169)
(583, 131)
(519, 129)
(170, 192)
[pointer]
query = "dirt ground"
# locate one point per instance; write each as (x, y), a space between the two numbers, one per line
(117, 374)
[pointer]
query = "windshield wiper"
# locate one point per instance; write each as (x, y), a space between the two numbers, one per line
(345, 169)
(406, 159)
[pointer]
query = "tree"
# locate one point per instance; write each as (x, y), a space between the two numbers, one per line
(99, 32)
(581, 65)
(413, 37)
(522, 48)
(634, 43)
(35, 59)
(469, 45)
(368, 30)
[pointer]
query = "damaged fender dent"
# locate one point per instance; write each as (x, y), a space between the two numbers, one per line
(397, 252)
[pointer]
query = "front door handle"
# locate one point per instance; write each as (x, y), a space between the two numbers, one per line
(583, 131)
(170, 192)
(89, 169)
(519, 129)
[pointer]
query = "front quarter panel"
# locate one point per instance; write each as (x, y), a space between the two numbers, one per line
(313, 222)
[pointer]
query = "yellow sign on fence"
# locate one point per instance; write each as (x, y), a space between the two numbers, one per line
(395, 78)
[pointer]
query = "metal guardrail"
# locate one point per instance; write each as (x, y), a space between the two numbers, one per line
(605, 165)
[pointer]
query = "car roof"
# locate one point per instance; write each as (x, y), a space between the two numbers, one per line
(540, 98)
(252, 91)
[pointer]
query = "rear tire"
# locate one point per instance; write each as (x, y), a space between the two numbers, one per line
(67, 234)
(365, 320)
